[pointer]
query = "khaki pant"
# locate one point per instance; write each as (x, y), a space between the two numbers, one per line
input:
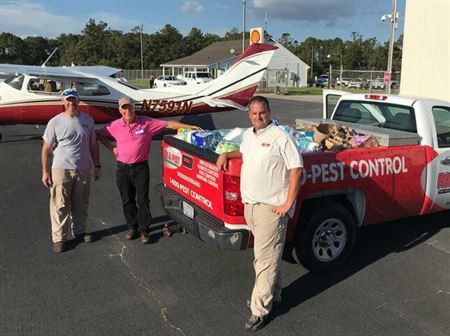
(69, 200)
(269, 233)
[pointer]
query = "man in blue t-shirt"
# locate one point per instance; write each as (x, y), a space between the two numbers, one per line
(70, 138)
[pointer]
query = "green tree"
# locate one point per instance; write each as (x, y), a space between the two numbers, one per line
(36, 50)
(12, 49)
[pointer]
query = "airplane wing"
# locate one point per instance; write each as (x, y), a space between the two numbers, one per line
(77, 71)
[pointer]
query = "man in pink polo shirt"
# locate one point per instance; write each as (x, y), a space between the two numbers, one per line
(133, 136)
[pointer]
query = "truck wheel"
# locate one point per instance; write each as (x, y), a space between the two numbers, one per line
(326, 238)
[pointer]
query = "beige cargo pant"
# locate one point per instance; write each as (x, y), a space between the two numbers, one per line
(69, 200)
(269, 233)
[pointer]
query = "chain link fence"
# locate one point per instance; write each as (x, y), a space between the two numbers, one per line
(140, 74)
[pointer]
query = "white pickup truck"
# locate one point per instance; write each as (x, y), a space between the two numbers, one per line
(407, 175)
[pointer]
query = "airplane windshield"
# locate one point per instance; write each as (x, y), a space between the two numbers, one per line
(15, 81)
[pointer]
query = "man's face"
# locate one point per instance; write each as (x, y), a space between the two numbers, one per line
(127, 112)
(259, 116)
(71, 104)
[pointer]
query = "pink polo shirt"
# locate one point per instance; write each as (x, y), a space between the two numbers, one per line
(133, 141)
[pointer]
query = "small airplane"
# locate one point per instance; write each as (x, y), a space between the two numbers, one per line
(32, 94)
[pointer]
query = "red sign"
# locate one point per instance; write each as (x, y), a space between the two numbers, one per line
(387, 77)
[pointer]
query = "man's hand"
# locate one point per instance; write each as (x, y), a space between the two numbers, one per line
(282, 210)
(47, 179)
(222, 162)
(97, 173)
(197, 128)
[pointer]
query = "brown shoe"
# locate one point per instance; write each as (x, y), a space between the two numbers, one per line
(131, 234)
(83, 238)
(145, 238)
(59, 247)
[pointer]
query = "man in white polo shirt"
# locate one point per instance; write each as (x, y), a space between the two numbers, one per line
(270, 182)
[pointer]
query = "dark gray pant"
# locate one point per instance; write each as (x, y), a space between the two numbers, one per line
(133, 182)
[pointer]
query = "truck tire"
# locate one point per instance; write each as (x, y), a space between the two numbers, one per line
(324, 241)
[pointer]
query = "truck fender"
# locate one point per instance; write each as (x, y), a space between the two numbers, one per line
(355, 198)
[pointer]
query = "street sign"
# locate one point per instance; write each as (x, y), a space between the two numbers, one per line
(387, 77)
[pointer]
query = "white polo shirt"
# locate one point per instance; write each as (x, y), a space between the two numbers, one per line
(267, 156)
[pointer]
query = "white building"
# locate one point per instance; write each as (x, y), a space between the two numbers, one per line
(426, 49)
(284, 68)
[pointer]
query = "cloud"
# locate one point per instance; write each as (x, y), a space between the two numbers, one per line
(116, 21)
(328, 11)
(24, 18)
(192, 6)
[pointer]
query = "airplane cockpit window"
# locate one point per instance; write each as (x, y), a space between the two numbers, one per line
(45, 86)
(91, 89)
(15, 81)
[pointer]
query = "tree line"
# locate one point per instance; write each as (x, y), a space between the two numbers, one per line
(100, 45)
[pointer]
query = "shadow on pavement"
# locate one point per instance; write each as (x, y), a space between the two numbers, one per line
(372, 243)
(97, 235)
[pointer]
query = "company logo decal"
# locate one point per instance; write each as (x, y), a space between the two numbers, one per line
(172, 158)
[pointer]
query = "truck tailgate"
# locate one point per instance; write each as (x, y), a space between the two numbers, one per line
(191, 172)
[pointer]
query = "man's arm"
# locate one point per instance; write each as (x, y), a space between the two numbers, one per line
(107, 143)
(172, 124)
(45, 159)
(294, 187)
(222, 160)
(93, 146)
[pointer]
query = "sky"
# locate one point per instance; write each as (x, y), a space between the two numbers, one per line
(323, 19)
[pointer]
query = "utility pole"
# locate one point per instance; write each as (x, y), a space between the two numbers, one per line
(243, 24)
(393, 17)
(142, 55)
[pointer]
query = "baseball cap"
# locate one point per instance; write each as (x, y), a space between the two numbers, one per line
(125, 101)
(70, 93)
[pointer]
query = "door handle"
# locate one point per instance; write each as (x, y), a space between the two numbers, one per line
(446, 162)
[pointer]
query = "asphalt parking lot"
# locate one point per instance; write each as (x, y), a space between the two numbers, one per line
(397, 281)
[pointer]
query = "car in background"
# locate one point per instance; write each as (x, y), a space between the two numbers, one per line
(166, 81)
(322, 81)
(358, 83)
(196, 77)
(343, 81)
(378, 83)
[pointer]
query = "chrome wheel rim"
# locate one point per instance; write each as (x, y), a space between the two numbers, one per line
(329, 240)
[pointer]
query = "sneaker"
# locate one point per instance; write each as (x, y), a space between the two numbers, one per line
(131, 234)
(59, 247)
(145, 238)
(255, 323)
(83, 238)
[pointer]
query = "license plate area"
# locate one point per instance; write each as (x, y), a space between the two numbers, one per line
(188, 210)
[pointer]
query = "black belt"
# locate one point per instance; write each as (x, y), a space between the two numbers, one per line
(134, 164)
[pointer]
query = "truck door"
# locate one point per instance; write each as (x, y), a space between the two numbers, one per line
(438, 169)
(330, 100)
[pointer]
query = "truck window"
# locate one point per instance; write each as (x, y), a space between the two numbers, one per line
(383, 115)
(332, 100)
(442, 122)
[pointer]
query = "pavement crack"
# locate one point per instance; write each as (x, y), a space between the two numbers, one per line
(164, 313)
(439, 292)
(141, 282)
